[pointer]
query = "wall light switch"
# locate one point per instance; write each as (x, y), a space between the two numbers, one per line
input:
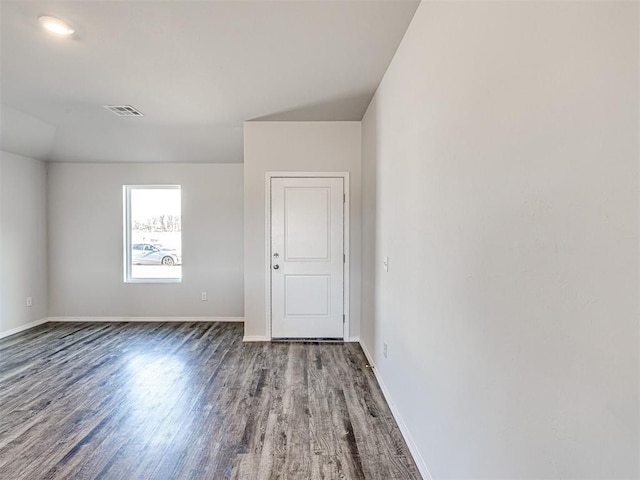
(29, 301)
(203, 296)
(385, 263)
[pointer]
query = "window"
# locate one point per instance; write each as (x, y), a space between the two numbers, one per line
(152, 234)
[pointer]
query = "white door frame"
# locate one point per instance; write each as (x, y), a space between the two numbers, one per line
(346, 231)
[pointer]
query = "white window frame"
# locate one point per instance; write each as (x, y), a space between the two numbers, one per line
(127, 233)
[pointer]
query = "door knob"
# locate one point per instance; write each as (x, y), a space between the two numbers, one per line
(276, 267)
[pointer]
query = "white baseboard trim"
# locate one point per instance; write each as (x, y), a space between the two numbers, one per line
(24, 327)
(146, 319)
(420, 463)
(354, 339)
(255, 338)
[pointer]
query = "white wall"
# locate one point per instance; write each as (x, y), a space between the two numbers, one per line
(501, 179)
(25, 135)
(23, 241)
(295, 147)
(86, 254)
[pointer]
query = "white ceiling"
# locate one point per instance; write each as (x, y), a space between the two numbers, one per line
(196, 69)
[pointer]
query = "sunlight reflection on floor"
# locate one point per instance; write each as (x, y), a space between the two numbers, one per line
(159, 389)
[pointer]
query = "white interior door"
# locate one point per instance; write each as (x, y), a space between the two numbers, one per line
(307, 257)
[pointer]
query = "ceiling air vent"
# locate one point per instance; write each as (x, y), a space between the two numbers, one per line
(124, 110)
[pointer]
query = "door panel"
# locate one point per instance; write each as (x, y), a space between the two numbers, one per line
(307, 295)
(307, 216)
(307, 223)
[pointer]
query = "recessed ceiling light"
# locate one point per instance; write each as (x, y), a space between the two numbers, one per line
(55, 25)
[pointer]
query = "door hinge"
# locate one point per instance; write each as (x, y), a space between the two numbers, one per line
(344, 198)
(343, 318)
(344, 258)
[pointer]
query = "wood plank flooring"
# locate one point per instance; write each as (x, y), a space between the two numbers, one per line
(190, 401)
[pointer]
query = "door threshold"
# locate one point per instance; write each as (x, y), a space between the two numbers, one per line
(307, 340)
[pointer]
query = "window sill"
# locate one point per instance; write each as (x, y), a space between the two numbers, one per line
(153, 280)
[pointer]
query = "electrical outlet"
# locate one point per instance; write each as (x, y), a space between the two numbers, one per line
(384, 350)
(203, 296)
(29, 301)
(385, 263)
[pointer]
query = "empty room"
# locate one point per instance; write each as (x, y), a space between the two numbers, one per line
(320, 239)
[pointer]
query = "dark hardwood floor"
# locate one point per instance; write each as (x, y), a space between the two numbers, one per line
(190, 401)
